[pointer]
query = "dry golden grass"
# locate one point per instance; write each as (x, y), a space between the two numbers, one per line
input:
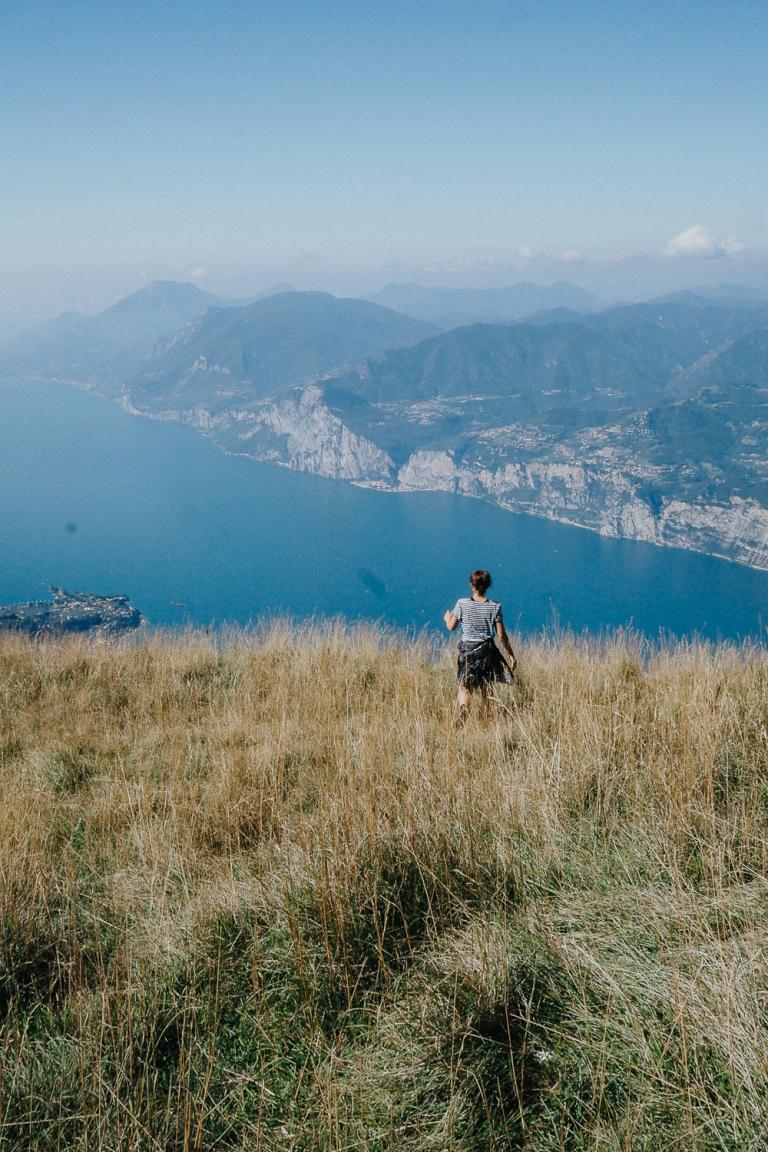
(255, 894)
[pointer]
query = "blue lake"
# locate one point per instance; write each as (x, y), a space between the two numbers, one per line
(94, 500)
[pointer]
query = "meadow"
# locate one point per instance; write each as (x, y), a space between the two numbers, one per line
(256, 894)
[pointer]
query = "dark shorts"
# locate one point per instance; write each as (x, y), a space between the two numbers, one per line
(480, 664)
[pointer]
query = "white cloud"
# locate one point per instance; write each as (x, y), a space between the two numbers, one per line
(480, 259)
(572, 256)
(527, 252)
(733, 247)
(186, 271)
(700, 243)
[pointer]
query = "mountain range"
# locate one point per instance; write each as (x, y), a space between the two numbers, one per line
(105, 349)
(161, 332)
(235, 355)
(647, 421)
(457, 307)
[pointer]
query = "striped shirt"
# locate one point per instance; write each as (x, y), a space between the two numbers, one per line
(478, 621)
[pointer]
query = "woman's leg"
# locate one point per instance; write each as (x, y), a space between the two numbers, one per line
(461, 708)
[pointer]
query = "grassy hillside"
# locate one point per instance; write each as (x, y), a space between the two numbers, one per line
(253, 896)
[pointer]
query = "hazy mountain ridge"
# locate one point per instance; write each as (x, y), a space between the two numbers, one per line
(457, 307)
(104, 350)
(141, 319)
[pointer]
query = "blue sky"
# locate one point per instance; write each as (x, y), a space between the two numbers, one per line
(344, 144)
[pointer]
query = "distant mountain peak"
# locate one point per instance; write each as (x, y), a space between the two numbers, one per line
(105, 348)
(164, 293)
(278, 289)
(163, 286)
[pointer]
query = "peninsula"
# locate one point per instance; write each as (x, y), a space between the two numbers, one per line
(71, 612)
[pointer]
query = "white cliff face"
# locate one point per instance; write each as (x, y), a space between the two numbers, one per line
(317, 441)
(556, 489)
(738, 529)
(635, 521)
(299, 431)
(563, 486)
(432, 471)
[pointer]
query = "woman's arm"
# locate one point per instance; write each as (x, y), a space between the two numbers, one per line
(451, 621)
(505, 644)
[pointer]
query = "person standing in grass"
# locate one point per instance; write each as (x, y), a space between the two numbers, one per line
(481, 663)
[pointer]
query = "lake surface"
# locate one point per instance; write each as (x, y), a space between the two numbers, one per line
(95, 500)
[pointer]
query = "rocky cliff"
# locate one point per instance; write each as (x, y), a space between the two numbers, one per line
(604, 500)
(591, 483)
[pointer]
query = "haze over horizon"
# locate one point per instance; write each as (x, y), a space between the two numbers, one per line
(343, 147)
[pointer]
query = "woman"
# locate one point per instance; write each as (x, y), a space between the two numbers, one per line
(480, 661)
